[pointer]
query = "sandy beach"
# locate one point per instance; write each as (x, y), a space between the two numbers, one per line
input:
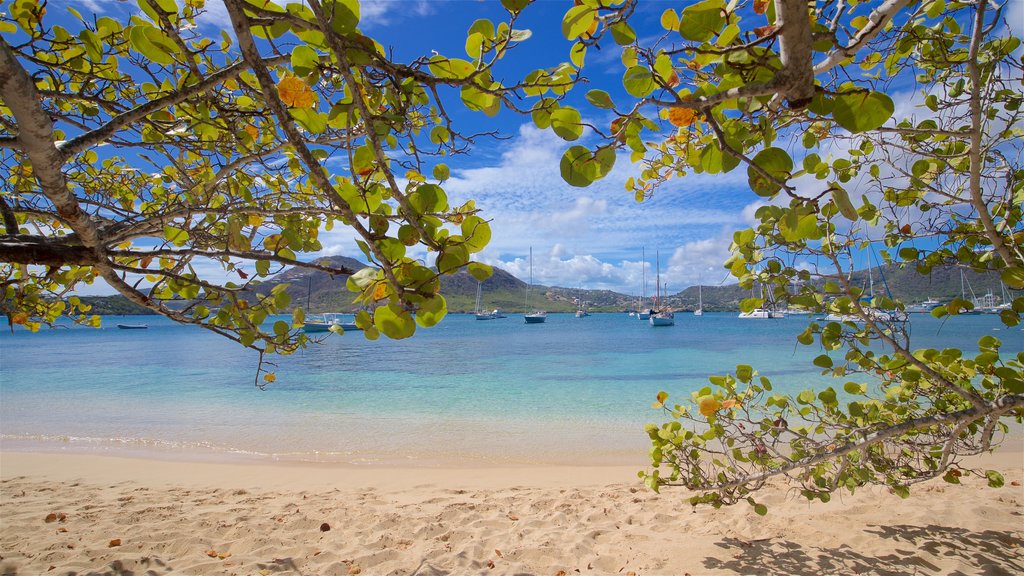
(89, 514)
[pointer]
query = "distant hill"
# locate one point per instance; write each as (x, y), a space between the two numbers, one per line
(114, 306)
(505, 291)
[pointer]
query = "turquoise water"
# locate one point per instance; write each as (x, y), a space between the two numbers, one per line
(569, 391)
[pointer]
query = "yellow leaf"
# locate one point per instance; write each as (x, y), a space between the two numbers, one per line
(295, 93)
(709, 405)
(253, 131)
(270, 377)
(681, 117)
(19, 318)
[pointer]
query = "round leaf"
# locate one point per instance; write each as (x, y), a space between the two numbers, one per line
(394, 322)
(777, 163)
(566, 123)
(431, 311)
(862, 111)
(638, 81)
(575, 166)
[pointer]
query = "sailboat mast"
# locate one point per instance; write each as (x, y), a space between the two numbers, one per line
(530, 285)
(657, 259)
(643, 273)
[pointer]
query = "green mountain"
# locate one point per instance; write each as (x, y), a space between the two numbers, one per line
(326, 293)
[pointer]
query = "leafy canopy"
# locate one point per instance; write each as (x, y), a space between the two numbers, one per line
(803, 98)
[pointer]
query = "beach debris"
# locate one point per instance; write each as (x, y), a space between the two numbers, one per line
(55, 517)
(113, 543)
(1014, 483)
(498, 552)
(561, 573)
(490, 563)
(224, 555)
(513, 517)
(325, 527)
(354, 569)
(211, 553)
(61, 530)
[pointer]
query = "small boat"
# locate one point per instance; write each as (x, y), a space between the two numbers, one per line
(133, 326)
(662, 316)
(324, 322)
(643, 313)
(924, 307)
(756, 314)
(481, 315)
(700, 300)
(537, 316)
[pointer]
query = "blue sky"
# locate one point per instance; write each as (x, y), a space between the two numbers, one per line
(588, 237)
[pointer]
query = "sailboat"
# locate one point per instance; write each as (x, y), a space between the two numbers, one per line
(643, 313)
(581, 306)
(762, 313)
(963, 294)
(661, 316)
(324, 322)
(537, 316)
(700, 299)
(480, 314)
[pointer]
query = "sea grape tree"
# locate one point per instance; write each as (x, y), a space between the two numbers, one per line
(875, 132)
(147, 152)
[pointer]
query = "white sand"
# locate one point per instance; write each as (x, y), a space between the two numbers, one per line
(205, 518)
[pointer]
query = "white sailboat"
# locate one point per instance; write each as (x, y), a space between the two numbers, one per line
(761, 313)
(643, 313)
(700, 299)
(480, 314)
(537, 316)
(661, 316)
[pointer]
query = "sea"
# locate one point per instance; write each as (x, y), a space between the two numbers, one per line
(571, 391)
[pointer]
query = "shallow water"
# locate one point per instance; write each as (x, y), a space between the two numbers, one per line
(572, 390)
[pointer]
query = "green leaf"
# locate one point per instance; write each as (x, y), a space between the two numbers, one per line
(480, 272)
(669, 19)
(842, 200)
(575, 166)
(577, 21)
(854, 388)
(428, 198)
(862, 111)
(439, 134)
(450, 67)
(345, 15)
(477, 233)
(623, 33)
(777, 163)
(702, 21)
(760, 509)
(441, 172)
(515, 6)
(141, 38)
(175, 236)
(823, 361)
(600, 98)
(995, 479)
(280, 327)
(431, 311)
(394, 322)
(304, 60)
(638, 81)
(1014, 278)
(566, 123)
(744, 373)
